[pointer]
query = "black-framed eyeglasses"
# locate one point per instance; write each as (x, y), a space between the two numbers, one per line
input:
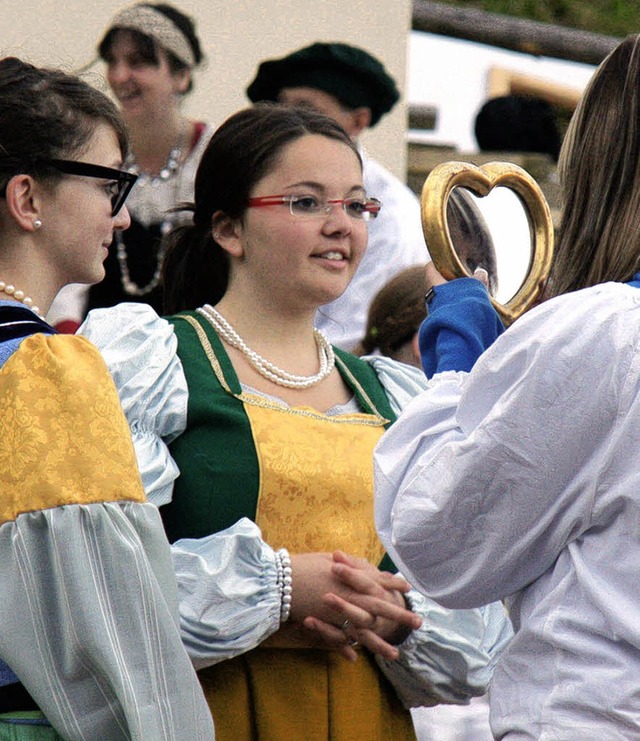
(121, 180)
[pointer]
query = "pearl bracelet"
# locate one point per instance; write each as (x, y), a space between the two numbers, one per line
(284, 582)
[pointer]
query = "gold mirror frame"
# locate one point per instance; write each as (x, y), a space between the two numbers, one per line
(481, 181)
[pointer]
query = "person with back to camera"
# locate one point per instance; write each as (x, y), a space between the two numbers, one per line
(528, 487)
(150, 51)
(89, 641)
(349, 85)
(272, 432)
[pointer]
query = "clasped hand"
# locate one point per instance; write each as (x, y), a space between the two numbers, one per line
(330, 589)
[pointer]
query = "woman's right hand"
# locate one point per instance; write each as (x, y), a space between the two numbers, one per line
(331, 588)
(313, 577)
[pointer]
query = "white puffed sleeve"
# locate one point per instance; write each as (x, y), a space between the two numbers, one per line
(487, 476)
(139, 348)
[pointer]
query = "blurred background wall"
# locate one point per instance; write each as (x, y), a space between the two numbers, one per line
(236, 35)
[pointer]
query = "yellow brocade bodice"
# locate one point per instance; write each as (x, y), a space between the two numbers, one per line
(316, 495)
(316, 479)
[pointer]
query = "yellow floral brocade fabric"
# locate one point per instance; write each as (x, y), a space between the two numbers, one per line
(64, 438)
(316, 479)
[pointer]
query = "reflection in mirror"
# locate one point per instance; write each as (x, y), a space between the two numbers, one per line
(492, 232)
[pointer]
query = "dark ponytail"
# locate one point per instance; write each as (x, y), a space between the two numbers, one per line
(195, 270)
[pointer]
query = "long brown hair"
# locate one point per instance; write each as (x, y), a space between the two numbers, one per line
(599, 169)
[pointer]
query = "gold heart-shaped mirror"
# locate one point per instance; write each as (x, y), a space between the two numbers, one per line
(459, 177)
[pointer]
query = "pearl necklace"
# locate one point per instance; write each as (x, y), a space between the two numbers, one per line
(169, 170)
(264, 367)
(19, 295)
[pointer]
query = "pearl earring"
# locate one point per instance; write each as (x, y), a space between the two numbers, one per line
(37, 223)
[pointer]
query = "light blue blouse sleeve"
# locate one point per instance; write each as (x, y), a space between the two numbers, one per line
(140, 350)
(227, 592)
(227, 582)
(451, 657)
(401, 382)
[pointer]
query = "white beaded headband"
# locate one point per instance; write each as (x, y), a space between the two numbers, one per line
(155, 24)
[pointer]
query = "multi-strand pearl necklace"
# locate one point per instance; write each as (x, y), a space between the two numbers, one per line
(262, 365)
(170, 169)
(20, 296)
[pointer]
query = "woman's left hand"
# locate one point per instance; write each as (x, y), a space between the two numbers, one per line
(434, 278)
(375, 614)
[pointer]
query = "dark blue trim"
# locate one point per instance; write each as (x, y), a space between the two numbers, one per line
(17, 322)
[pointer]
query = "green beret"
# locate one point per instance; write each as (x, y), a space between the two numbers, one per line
(350, 74)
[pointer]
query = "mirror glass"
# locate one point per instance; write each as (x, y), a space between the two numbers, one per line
(493, 232)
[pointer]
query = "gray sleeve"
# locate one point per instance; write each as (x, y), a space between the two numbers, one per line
(90, 625)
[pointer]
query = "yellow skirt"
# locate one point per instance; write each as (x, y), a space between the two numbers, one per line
(275, 694)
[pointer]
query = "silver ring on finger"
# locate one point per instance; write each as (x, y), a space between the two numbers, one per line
(351, 641)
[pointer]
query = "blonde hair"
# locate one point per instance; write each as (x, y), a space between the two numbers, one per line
(599, 169)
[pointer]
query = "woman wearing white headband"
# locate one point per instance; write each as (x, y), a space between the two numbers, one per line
(150, 52)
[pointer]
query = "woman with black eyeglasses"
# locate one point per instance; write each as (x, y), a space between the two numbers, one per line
(272, 431)
(89, 642)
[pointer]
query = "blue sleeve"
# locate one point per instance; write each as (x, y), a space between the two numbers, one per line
(461, 324)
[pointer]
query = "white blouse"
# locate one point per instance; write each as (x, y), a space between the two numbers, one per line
(229, 600)
(521, 480)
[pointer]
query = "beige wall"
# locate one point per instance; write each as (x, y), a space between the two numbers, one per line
(236, 36)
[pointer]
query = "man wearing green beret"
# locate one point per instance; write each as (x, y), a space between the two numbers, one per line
(352, 87)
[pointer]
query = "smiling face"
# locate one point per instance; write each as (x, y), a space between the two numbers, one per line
(143, 89)
(300, 262)
(77, 225)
